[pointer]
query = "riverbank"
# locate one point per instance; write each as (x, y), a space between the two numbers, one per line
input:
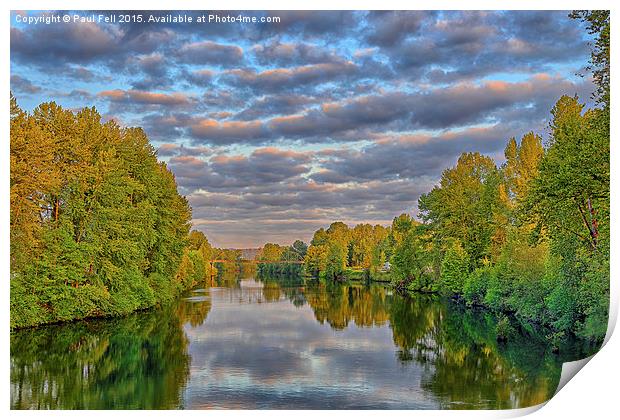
(72, 304)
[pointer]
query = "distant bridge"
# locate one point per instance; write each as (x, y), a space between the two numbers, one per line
(257, 261)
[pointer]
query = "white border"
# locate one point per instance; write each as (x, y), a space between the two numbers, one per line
(592, 394)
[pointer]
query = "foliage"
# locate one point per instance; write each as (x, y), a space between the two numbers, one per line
(336, 259)
(337, 247)
(598, 24)
(454, 269)
(300, 247)
(503, 329)
(316, 259)
(140, 361)
(411, 260)
(463, 207)
(97, 225)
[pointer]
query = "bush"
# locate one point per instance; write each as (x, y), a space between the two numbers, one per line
(562, 308)
(593, 299)
(504, 330)
(476, 284)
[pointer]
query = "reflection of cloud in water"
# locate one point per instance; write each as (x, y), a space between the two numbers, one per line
(277, 355)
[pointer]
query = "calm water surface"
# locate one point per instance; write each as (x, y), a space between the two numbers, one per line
(284, 344)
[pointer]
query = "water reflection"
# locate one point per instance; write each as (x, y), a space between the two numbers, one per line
(283, 343)
(140, 361)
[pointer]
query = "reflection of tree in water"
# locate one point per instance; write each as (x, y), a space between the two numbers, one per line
(139, 361)
(470, 369)
(275, 287)
(466, 366)
(339, 304)
(194, 310)
(228, 275)
(247, 269)
(411, 321)
(142, 361)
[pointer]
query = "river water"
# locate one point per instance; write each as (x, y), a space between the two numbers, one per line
(286, 343)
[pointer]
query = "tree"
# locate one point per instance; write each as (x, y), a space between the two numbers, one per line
(522, 162)
(598, 24)
(320, 237)
(569, 203)
(361, 246)
(271, 252)
(465, 205)
(411, 261)
(301, 248)
(196, 239)
(336, 258)
(454, 269)
(32, 174)
(571, 195)
(339, 232)
(316, 259)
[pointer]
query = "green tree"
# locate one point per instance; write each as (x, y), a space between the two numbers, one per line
(411, 262)
(454, 269)
(336, 258)
(598, 24)
(97, 225)
(522, 162)
(300, 247)
(271, 252)
(465, 205)
(316, 259)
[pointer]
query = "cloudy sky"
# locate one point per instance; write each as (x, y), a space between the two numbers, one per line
(276, 129)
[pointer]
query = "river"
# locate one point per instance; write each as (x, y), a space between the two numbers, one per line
(286, 343)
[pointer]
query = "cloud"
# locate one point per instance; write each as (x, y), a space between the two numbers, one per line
(78, 94)
(278, 104)
(228, 131)
(84, 43)
(262, 167)
(282, 78)
(208, 52)
(79, 73)
(388, 28)
(286, 54)
(154, 66)
(145, 98)
(460, 46)
(311, 23)
(73, 42)
(408, 157)
(174, 149)
(201, 78)
(21, 85)
(442, 107)
(360, 117)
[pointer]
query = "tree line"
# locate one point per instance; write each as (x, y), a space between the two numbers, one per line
(97, 225)
(280, 260)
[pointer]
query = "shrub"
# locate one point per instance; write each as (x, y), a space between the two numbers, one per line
(476, 284)
(504, 330)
